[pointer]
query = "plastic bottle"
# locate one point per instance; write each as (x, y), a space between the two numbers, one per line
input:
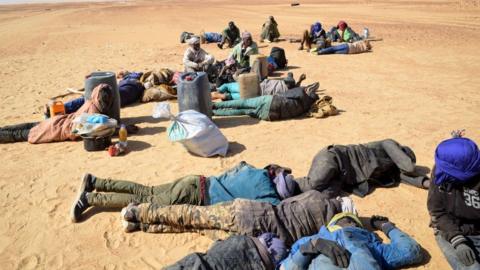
(122, 135)
(366, 33)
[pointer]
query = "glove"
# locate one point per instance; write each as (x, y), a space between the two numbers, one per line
(337, 254)
(378, 221)
(465, 254)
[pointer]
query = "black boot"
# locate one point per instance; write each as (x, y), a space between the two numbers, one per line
(79, 206)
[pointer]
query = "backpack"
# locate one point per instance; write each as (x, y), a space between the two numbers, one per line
(278, 54)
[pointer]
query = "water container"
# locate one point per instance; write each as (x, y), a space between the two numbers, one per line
(109, 78)
(249, 85)
(194, 94)
(262, 67)
(56, 107)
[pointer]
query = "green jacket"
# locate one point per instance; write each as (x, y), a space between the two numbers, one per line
(244, 58)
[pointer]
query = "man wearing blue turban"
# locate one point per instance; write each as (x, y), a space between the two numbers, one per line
(454, 202)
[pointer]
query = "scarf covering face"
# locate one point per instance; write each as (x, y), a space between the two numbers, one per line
(316, 29)
(456, 160)
(285, 185)
(276, 247)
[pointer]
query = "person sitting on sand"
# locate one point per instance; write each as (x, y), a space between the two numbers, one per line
(316, 36)
(291, 219)
(195, 58)
(242, 51)
(454, 202)
(59, 127)
(270, 185)
(244, 252)
(365, 248)
(347, 48)
(288, 105)
(343, 33)
(354, 168)
(230, 35)
(270, 30)
(231, 91)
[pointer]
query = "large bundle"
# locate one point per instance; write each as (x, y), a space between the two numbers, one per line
(249, 85)
(109, 78)
(194, 93)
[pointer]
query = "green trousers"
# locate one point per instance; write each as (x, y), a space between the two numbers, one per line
(257, 107)
(185, 190)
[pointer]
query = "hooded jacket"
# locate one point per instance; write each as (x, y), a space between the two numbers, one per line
(290, 104)
(356, 166)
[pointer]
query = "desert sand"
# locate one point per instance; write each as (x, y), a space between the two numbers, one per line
(417, 85)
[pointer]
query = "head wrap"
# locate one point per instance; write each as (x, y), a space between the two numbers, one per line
(332, 225)
(456, 160)
(285, 185)
(193, 40)
(316, 27)
(246, 35)
(342, 25)
(276, 247)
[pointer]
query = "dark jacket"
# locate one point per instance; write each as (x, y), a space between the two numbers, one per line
(236, 252)
(455, 209)
(291, 220)
(293, 103)
(354, 167)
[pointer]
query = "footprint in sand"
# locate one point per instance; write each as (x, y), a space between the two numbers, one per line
(113, 241)
(30, 262)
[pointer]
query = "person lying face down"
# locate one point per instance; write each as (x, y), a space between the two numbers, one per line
(59, 127)
(356, 167)
(231, 91)
(196, 58)
(291, 219)
(454, 202)
(360, 248)
(239, 252)
(288, 105)
(347, 48)
(271, 184)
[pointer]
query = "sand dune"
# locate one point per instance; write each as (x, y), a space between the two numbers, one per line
(417, 85)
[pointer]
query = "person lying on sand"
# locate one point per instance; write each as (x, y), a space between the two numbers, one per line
(291, 219)
(271, 184)
(316, 36)
(196, 58)
(454, 202)
(347, 48)
(293, 103)
(270, 30)
(231, 91)
(365, 249)
(59, 127)
(354, 168)
(240, 252)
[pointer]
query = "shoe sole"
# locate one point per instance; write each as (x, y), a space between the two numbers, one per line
(80, 190)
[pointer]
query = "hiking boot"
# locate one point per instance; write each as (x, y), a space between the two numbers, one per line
(130, 226)
(79, 206)
(130, 213)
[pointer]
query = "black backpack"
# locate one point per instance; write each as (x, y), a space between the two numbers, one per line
(278, 54)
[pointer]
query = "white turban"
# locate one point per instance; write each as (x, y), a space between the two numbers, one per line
(193, 40)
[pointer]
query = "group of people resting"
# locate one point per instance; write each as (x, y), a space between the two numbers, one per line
(278, 221)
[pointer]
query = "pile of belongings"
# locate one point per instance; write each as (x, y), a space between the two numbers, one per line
(91, 125)
(159, 85)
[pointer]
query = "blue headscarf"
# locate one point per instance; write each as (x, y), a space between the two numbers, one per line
(456, 160)
(275, 246)
(316, 28)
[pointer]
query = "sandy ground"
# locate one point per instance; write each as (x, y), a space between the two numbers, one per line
(417, 85)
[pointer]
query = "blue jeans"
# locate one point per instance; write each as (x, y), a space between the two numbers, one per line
(257, 107)
(73, 105)
(451, 256)
(339, 49)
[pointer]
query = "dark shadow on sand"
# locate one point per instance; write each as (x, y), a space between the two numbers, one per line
(235, 148)
(234, 121)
